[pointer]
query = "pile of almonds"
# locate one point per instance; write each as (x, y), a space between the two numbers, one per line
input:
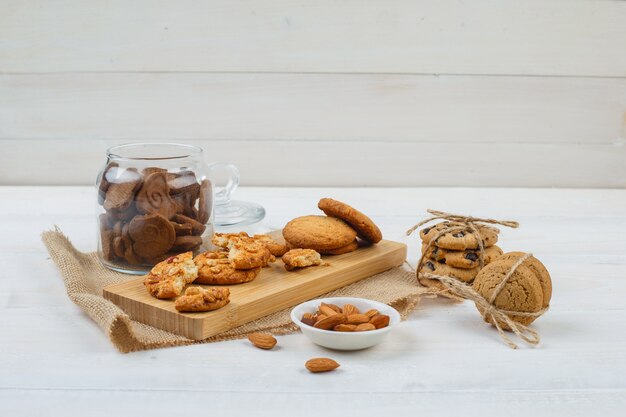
(346, 319)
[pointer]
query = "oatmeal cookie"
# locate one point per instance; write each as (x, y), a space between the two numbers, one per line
(318, 232)
(522, 292)
(350, 247)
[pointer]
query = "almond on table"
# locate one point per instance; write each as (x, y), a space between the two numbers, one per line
(316, 365)
(262, 340)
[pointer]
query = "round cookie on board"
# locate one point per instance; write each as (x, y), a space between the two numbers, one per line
(318, 232)
(364, 226)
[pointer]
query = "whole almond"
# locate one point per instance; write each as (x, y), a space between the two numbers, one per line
(321, 365)
(349, 309)
(357, 319)
(319, 317)
(379, 321)
(330, 322)
(262, 341)
(308, 320)
(307, 316)
(345, 327)
(327, 310)
(365, 327)
(371, 313)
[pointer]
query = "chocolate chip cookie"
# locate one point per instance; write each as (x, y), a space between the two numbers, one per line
(466, 259)
(461, 239)
(434, 267)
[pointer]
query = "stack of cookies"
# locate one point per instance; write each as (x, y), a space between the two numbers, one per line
(342, 230)
(456, 253)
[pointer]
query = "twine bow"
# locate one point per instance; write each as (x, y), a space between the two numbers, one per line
(486, 307)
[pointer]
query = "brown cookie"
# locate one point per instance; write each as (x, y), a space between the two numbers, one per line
(152, 235)
(108, 252)
(205, 202)
(197, 228)
(153, 197)
(182, 229)
(186, 243)
(214, 268)
(318, 232)
(522, 292)
(301, 258)
(364, 226)
(202, 299)
(433, 267)
(129, 254)
(466, 259)
(121, 190)
(350, 247)
(184, 182)
(538, 269)
(151, 170)
(104, 181)
(458, 239)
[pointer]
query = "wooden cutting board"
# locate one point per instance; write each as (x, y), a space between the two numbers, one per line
(273, 290)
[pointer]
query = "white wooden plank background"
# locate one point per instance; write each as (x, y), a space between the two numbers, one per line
(532, 93)
(56, 362)
(538, 37)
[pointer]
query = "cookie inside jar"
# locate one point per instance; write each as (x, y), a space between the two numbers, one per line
(152, 208)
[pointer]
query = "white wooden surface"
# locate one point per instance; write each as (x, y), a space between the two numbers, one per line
(416, 89)
(55, 361)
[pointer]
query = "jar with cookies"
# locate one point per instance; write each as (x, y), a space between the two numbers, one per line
(154, 200)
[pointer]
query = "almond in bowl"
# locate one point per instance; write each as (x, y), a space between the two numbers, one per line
(345, 323)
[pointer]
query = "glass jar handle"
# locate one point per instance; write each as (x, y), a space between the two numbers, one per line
(222, 196)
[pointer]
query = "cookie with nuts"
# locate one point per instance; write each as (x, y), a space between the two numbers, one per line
(168, 278)
(301, 258)
(202, 299)
(215, 268)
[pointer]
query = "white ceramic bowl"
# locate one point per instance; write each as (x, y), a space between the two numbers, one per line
(345, 340)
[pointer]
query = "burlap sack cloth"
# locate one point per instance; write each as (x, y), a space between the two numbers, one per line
(85, 277)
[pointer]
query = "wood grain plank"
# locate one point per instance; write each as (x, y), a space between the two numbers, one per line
(558, 37)
(340, 163)
(273, 290)
(314, 107)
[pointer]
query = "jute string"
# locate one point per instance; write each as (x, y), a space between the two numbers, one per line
(486, 307)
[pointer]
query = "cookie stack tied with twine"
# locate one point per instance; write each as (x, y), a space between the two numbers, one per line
(509, 293)
(458, 247)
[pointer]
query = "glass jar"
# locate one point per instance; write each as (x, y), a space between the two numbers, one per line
(155, 200)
